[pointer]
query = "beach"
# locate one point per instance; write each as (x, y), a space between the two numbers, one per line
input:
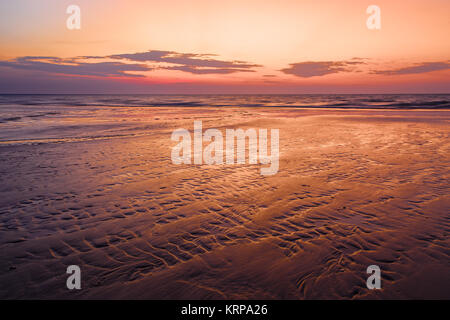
(354, 188)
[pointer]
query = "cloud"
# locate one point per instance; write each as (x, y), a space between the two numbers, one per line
(321, 68)
(72, 66)
(418, 68)
(195, 70)
(142, 61)
(189, 62)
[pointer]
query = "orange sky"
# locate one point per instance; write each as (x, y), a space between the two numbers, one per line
(300, 45)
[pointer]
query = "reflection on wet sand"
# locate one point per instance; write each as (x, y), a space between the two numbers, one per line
(354, 188)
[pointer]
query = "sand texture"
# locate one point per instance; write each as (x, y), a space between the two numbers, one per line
(354, 188)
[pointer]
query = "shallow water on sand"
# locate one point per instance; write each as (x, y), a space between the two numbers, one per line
(41, 118)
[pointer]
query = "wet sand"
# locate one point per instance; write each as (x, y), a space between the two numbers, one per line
(354, 188)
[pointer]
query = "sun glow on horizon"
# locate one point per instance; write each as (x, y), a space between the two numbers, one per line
(238, 43)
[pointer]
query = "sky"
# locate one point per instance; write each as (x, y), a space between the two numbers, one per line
(233, 46)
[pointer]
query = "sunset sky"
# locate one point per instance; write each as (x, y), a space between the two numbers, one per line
(209, 46)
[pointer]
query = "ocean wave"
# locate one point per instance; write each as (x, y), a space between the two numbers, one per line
(409, 101)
